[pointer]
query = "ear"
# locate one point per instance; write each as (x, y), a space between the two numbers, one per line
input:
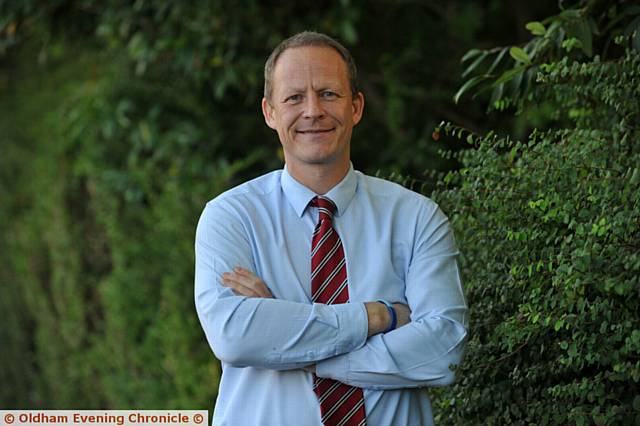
(269, 113)
(357, 107)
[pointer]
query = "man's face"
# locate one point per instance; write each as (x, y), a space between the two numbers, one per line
(311, 107)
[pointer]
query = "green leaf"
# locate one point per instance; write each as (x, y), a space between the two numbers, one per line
(496, 93)
(470, 139)
(497, 60)
(520, 55)
(515, 84)
(558, 325)
(583, 33)
(474, 64)
(509, 74)
(471, 54)
(468, 85)
(570, 14)
(536, 28)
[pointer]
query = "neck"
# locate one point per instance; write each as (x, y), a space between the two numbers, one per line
(319, 178)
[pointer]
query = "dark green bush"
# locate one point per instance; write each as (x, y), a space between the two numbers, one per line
(549, 229)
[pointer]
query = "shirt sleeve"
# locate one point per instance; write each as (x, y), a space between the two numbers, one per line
(418, 354)
(258, 332)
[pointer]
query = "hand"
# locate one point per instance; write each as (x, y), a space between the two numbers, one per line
(245, 283)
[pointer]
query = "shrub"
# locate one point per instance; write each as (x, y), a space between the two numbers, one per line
(549, 230)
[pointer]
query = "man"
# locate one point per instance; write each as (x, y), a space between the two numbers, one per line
(306, 276)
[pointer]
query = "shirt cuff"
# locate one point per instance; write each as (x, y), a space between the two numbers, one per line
(353, 326)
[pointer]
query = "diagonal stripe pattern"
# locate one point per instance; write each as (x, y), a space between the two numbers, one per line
(340, 404)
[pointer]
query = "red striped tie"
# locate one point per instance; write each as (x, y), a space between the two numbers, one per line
(340, 404)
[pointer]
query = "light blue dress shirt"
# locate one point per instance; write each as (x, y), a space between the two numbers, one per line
(398, 247)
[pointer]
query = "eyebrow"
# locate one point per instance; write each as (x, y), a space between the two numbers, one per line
(295, 90)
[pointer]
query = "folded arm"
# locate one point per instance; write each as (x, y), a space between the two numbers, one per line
(245, 283)
(262, 331)
(420, 353)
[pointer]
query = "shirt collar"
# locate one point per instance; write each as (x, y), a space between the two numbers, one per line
(299, 195)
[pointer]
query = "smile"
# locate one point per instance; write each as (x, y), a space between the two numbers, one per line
(315, 131)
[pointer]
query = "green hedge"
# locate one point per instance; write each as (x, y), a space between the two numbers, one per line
(549, 230)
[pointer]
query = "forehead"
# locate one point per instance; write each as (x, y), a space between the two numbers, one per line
(316, 65)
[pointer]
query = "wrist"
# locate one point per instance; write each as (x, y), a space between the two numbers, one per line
(393, 316)
(378, 317)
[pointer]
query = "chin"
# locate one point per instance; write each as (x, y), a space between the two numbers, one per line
(318, 161)
(315, 159)
(318, 155)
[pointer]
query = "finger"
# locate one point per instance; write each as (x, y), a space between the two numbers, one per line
(246, 278)
(240, 289)
(244, 272)
(251, 281)
(242, 279)
(257, 286)
(245, 291)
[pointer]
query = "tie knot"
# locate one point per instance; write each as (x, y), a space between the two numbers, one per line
(326, 207)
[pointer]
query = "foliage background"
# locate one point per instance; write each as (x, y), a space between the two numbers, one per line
(119, 120)
(550, 228)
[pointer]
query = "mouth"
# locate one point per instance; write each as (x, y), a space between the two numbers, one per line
(315, 131)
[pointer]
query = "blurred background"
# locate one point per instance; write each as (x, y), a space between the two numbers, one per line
(120, 119)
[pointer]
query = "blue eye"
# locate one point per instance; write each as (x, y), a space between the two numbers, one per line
(294, 98)
(328, 94)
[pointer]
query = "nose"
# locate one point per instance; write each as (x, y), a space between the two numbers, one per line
(313, 107)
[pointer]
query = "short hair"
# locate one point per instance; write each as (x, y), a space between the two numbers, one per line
(309, 38)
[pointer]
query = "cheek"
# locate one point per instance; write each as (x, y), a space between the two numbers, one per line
(288, 119)
(343, 114)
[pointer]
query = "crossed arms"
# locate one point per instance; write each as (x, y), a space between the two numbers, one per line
(344, 342)
(245, 283)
